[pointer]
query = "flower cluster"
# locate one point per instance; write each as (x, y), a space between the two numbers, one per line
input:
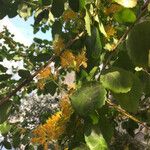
(58, 45)
(42, 76)
(55, 126)
(110, 30)
(69, 15)
(112, 9)
(69, 60)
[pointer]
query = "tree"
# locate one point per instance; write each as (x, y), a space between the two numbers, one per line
(105, 45)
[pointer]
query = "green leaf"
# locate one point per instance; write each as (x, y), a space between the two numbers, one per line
(29, 147)
(82, 4)
(127, 3)
(88, 98)
(46, 2)
(87, 23)
(42, 14)
(56, 28)
(95, 140)
(57, 8)
(82, 147)
(24, 73)
(41, 57)
(4, 77)
(4, 111)
(117, 80)
(50, 88)
(12, 10)
(24, 11)
(7, 144)
(106, 127)
(98, 46)
(145, 80)
(138, 44)
(2, 68)
(94, 48)
(4, 128)
(74, 5)
(125, 15)
(130, 101)
(123, 61)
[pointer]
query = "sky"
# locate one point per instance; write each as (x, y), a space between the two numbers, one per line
(23, 30)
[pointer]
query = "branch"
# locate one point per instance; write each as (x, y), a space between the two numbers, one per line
(29, 79)
(125, 113)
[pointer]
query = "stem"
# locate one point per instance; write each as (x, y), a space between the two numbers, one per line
(125, 113)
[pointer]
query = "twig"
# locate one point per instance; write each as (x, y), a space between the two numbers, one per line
(29, 79)
(125, 113)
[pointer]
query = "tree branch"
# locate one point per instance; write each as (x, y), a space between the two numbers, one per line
(125, 113)
(29, 79)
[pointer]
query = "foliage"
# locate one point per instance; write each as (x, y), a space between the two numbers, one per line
(105, 45)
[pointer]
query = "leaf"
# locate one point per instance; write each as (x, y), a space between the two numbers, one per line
(98, 45)
(24, 11)
(4, 77)
(106, 127)
(145, 80)
(130, 101)
(24, 73)
(117, 80)
(12, 10)
(4, 111)
(57, 8)
(94, 48)
(2, 68)
(125, 15)
(127, 3)
(95, 140)
(46, 2)
(4, 128)
(88, 98)
(138, 45)
(42, 14)
(82, 4)
(81, 147)
(7, 144)
(123, 61)
(87, 23)
(29, 147)
(74, 5)
(41, 57)
(56, 28)
(50, 88)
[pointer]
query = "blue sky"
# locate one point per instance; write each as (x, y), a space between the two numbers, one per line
(23, 30)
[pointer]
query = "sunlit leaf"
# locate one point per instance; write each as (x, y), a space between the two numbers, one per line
(127, 3)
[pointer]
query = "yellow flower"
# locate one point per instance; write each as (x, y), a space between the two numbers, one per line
(45, 73)
(65, 107)
(110, 31)
(41, 84)
(67, 59)
(69, 14)
(58, 45)
(112, 9)
(81, 60)
(54, 127)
